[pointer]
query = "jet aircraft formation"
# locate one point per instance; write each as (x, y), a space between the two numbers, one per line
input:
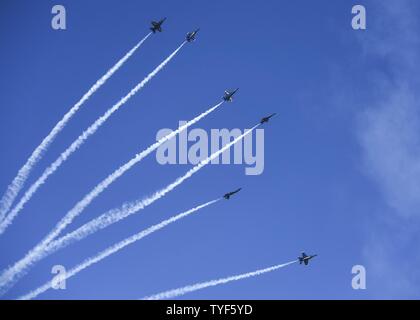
(227, 97)
(156, 27)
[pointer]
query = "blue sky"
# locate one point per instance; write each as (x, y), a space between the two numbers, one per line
(341, 158)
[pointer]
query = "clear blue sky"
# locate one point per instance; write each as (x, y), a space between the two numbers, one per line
(342, 157)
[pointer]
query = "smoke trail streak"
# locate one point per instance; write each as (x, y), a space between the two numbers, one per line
(127, 209)
(81, 205)
(117, 247)
(198, 286)
(77, 143)
(12, 274)
(23, 173)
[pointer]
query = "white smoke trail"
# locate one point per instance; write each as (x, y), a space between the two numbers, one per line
(12, 274)
(81, 205)
(115, 248)
(23, 173)
(198, 286)
(78, 142)
(130, 208)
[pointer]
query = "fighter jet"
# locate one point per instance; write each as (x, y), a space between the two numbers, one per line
(305, 258)
(229, 194)
(156, 26)
(229, 95)
(265, 119)
(191, 35)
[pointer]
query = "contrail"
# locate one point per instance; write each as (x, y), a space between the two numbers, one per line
(23, 173)
(12, 274)
(115, 248)
(130, 208)
(198, 286)
(82, 204)
(78, 142)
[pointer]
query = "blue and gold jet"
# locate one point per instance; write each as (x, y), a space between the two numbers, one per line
(229, 194)
(265, 119)
(305, 258)
(228, 96)
(157, 26)
(191, 35)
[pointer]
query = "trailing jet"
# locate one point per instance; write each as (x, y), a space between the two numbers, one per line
(229, 95)
(229, 194)
(157, 26)
(305, 258)
(191, 35)
(265, 119)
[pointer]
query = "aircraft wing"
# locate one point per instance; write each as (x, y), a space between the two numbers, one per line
(306, 262)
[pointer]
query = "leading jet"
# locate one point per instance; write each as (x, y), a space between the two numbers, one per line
(191, 35)
(228, 96)
(305, 258)
(157, 26)
(229, 194)
(265, 119)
